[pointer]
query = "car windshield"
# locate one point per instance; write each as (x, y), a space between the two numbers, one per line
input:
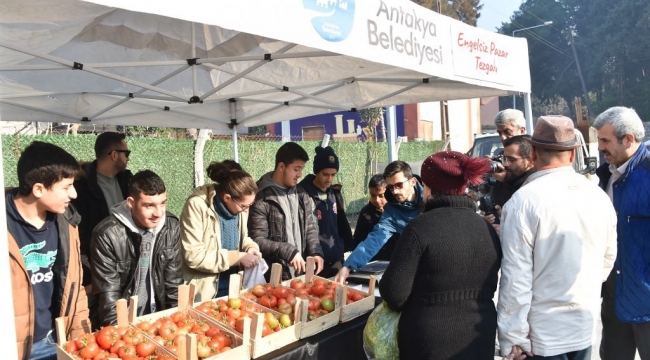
(489, 145)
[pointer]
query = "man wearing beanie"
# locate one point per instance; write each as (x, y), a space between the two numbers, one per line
(333, 228)
(558, 237)
(405, 201)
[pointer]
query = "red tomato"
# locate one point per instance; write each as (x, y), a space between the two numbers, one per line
(168, 331)
(133, 337)
(177, 316)
(89, 351)
(107, 337)
(84, 340)
(302, 292)
(318, 289)
(71, 347)
(291, 299)
(236, 313)
(266, 330)
(118, 344)
(297, 284)
(251, 297)
(203, 351)
(281, 292)
(145, 348)
(259, 290)
(212, 332)
(127, 350)
(239, 325)
(356, 296)
(268, 301)
(318, 281)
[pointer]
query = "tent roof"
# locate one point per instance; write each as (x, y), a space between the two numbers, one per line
(257, 62)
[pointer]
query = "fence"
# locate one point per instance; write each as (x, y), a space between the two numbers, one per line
(173, 160)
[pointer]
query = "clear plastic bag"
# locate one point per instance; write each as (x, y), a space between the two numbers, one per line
(380, 334)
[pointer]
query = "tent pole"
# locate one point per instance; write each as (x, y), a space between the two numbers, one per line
(391, 125)
(528, 113)
(235, 150)
(6, 315)
(194, 91)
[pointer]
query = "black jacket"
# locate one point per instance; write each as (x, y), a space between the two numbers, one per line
(266, 226)
(91, 204)
(369, 217)
(503, 191)
(115, 252)
(333, 228)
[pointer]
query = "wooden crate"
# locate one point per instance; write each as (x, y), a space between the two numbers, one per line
(122, 321)
(262, 345)
(240, 342)
(358, 308)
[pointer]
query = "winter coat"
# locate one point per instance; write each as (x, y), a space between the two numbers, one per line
(393, 220)
(69, 298)
(266, 226)
(115, 251)
(91, 204)
(442, 277)
(203, 257)
(329, 214)
(632, 266)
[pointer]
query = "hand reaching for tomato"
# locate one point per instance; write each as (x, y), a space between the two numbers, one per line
(320, 264)
(298, 263)
(342, 275)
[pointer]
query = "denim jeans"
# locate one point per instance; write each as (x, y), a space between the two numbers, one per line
(574, 355)
(44, 349)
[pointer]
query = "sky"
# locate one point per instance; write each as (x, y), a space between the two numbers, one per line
(494, 12)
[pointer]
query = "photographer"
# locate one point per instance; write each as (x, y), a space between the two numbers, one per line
(509, 123)
(517, 166)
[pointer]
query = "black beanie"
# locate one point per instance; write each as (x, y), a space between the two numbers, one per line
(325, 159)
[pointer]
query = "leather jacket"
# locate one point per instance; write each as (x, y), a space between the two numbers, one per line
(114, 257)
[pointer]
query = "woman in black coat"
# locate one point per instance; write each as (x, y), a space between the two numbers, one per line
(443, 272)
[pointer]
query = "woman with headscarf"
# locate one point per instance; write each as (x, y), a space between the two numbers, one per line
(443, 272)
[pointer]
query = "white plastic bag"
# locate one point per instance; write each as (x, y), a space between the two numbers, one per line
(380, 334)
(255, 275)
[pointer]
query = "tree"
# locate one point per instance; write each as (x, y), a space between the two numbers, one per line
(467, 11)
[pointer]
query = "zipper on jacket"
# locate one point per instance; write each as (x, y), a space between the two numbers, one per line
(639, 217)
(70, 298)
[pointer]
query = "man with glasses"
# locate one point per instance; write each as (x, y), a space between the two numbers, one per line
(100, 185)
(405, 201)
(509, 123)
(518, 167)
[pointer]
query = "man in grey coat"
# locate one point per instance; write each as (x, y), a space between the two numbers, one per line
(280, 221)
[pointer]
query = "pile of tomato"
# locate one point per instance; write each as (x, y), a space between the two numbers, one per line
(170, 332)
(115, 343)
(319, 292)
(234, 311)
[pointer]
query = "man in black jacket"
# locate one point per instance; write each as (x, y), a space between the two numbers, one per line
(329, 212)
(280, 221)
(100, 185)
(518, 166)
(136, 251)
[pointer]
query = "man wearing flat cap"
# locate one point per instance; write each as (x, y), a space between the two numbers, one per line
(626, 180)
(334, 230)
(558, 237)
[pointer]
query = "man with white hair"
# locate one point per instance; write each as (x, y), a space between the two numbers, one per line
(625, 309)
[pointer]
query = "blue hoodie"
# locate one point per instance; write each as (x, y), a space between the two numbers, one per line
(393, 220)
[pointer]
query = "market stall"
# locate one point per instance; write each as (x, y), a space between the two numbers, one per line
(228, 65)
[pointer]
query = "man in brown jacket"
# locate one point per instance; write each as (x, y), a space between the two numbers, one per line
(44, 251)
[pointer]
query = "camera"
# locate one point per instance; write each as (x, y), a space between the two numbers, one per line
(487, 206)
(495, 163)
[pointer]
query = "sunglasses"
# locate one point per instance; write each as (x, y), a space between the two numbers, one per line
(243, 207)
(126, 152)
(398, 186)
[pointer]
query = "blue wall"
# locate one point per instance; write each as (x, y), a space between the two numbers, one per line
(329, 122)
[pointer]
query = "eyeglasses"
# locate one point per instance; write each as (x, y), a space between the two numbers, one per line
(398, 186)
(126, 152)
(510, 159)
(243, 207)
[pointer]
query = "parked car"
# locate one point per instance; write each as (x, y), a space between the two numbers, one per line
(486, 144)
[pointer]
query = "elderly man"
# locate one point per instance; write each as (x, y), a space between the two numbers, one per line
(558, 236)
(626, 178)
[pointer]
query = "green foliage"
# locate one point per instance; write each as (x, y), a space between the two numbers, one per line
(467, 11)
(610, 42)
(173, 160)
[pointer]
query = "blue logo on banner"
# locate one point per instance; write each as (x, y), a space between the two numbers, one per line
(337, 20)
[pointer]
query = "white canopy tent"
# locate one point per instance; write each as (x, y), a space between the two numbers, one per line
(229, 64)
